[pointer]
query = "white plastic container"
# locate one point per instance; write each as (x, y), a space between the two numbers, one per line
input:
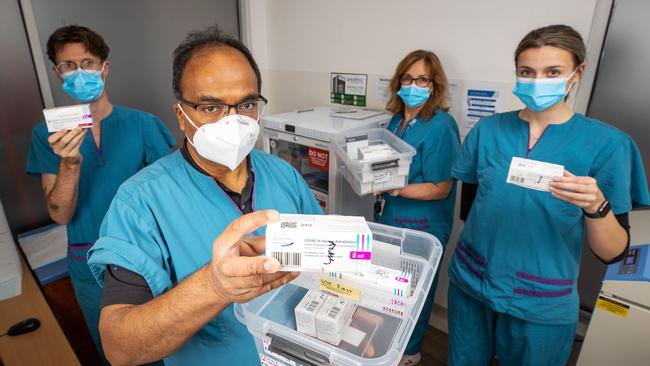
(375, 175)
(270, 318)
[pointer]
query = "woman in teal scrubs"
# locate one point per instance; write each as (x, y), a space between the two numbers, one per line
(513, 290)
(419, 89)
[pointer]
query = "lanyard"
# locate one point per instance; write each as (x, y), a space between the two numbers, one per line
(399, 132)
(241, 213)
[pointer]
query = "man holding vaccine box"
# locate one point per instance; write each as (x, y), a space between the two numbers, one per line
(82, 167)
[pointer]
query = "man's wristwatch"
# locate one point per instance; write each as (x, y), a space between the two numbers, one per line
(602, 211)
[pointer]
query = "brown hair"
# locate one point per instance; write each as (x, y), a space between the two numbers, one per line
(560, 36)
(439, 85)
(93, 42)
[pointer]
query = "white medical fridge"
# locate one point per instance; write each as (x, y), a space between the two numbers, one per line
(304, 139)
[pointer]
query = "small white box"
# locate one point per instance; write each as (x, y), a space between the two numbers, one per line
(68, 118)
(353, 143)
(332, 318)
(306, 311)
(318, 243)
(378, 151)
(386, 281)
(533, 174)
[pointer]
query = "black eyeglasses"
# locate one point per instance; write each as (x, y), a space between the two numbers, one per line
(214, 111)
(421, 80)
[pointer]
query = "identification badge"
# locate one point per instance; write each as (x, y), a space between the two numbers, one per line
(68, 118)
(379, 205)
(533, 174)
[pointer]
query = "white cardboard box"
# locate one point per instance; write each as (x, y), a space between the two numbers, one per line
(306, 311)
(384, 280)
(318, 243)
(334, 316)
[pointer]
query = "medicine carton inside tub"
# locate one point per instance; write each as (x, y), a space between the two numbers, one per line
(271, 320)
(374, 160)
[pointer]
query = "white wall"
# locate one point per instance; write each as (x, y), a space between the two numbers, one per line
(299, 42)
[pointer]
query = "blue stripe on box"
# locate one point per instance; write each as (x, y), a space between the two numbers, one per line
(52, 272)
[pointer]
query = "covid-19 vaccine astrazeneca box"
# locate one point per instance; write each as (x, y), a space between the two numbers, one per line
(320, 243)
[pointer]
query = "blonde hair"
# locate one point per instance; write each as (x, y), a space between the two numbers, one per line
(439, 85)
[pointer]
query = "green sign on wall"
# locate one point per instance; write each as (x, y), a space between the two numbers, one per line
(349, 89)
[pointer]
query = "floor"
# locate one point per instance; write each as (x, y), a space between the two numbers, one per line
(434, 349)
(60, 296)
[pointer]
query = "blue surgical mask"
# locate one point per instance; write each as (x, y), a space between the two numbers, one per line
(540, 94)
(84, 86)
(414, 96)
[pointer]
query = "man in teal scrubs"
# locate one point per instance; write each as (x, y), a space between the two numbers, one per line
(169, 285)
(81, 171)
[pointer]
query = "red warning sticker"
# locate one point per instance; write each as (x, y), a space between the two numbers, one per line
(319, 158)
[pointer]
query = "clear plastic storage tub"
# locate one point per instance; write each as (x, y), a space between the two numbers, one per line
(379, 174)
(270, 318)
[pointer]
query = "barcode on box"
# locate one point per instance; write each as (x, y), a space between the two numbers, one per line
(287, 259)
(289, 225)
(312, 306)
(516, 179)
(334, 312)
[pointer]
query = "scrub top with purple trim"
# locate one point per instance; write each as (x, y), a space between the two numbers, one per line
(437, 145)
(162, 223)
(519, 251)
(130, 140)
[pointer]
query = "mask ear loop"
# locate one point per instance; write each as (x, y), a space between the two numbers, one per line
(190, 121)
(101, 71)
(259, 116)
(572, 84)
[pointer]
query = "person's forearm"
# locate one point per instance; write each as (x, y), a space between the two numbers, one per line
(426, 191)
(606, 237)
(138, 334)
(61, 201)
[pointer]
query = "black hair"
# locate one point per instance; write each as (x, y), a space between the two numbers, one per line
(93, 42)
(198, 40)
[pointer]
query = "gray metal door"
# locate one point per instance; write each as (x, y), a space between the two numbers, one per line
(142, 36)
(20, 107)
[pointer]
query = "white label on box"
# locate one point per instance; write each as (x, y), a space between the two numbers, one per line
(320, 243)
(332, 318)
(533, 174)
(387, 281)
(270, 361)
(306, 311)
(382, 176)
(68, 118)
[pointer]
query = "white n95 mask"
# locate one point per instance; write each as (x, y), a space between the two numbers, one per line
(227, 141)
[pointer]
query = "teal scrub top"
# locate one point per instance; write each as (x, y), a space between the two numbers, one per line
(162, 224)
(519, 251)
(437, 145)
(130, 140)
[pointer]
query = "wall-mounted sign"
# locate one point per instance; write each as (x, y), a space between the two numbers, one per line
(348, 89)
